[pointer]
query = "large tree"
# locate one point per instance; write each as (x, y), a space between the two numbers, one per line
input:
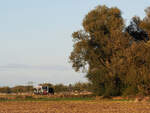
(107, 52)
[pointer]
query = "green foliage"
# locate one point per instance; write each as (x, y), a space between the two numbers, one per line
(30, 98)
(99, 81)
(114, 63)
(22, 89)
(130, 91)
(79, 86)
(60, 88)
(5, 90)
(46, 84)
(16, 89)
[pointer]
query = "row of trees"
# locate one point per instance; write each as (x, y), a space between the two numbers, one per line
(79, 86)
(16, 89)
(115, 57)
(57, 88)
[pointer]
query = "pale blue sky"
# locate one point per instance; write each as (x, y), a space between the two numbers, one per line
(35, 37)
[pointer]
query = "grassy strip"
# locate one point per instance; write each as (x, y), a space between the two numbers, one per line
(121, 99)
(48, 99)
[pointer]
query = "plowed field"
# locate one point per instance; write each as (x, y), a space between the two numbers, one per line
(74, 107)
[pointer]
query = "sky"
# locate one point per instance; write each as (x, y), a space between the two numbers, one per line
(35, 37)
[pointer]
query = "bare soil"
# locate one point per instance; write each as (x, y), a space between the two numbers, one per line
(74, 107)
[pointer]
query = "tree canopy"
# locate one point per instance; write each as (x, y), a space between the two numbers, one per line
(114, 57)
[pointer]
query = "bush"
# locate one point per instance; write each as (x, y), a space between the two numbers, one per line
(28, 97)
(129, 91)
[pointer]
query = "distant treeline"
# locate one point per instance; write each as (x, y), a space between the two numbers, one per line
(79, 87)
